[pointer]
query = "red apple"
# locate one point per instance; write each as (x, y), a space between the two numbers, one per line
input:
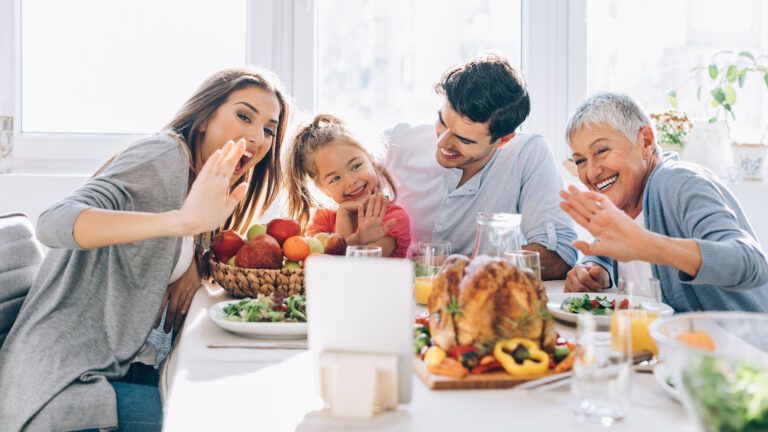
(226, 244)
(282, 228)
(261, 252)
(333, 244)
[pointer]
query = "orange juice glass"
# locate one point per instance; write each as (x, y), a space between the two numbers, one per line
(641, 336)
(422, 287)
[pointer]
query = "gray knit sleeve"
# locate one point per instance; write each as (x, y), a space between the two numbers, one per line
(152, 171)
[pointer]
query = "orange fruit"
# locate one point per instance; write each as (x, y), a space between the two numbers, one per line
(697, 339)
(296, 248)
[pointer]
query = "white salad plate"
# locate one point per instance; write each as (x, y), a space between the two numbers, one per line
(556, 300)
(276, 330)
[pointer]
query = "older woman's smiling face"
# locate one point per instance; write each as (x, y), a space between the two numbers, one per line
(608, 162)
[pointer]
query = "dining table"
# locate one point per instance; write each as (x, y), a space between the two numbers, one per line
(215, 380)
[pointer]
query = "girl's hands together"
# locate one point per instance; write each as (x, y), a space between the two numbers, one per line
(210, 201)
(616, 235)
(371, 226)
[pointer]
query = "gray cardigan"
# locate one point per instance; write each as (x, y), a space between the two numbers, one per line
(684, 200)
(89, 311)
(20, 257)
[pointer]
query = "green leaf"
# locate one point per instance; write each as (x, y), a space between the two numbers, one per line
(765, 78)
(712, 120)
(718, 94)
(698, 93)
(730, 95)
(714, 103)
(712, 71)
(743, 77)
(671, 93)
(732, 73)
(748, 55)
(672, 101)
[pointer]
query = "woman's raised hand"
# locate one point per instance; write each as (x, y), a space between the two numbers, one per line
(616, 235)
(371, 226)
(210, 201)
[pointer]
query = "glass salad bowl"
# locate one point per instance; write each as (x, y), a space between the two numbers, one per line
(720, 361)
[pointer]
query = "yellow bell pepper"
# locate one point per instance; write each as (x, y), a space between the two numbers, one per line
(521, 357)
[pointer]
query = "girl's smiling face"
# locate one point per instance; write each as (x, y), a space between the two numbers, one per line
(609, 163)
(344, 172)
(251, 113)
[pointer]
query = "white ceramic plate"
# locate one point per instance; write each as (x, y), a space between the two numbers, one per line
(662, 376)
(556, 300)
(277, 330)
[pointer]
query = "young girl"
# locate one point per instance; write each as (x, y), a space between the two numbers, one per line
(326, 153)
(123, 249)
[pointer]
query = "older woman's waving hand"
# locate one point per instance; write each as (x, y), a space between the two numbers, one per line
(618, 237)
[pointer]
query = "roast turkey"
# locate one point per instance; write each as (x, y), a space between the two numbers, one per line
(487, 299)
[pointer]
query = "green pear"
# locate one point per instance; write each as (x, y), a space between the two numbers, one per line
(255, 230)
(315, 245)
(291, 265)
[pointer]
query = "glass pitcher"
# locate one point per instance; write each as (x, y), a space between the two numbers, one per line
(497, 233)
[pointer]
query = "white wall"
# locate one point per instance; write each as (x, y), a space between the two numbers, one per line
(33, 193)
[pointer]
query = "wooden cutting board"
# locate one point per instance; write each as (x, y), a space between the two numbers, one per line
(491, 380)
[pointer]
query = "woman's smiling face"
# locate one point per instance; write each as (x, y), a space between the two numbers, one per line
(251, 113)
(609, 163)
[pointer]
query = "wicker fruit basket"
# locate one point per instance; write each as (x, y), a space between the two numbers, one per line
(245, 282)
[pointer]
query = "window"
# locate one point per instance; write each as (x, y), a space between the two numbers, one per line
(381, 59)
(645, 48)
(90, 66)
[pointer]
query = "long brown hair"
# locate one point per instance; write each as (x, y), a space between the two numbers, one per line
(300, 167)
(265, 180)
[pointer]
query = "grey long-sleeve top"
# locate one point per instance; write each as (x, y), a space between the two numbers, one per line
(684, 200)
(89, 311)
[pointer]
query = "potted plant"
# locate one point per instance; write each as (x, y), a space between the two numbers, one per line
(724, 76)
(672, 127)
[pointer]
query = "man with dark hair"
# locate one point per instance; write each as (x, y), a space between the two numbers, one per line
(483, 165)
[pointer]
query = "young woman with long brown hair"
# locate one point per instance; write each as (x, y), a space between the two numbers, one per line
(126, 248)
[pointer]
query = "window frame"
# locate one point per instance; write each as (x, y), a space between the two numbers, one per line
(288, 45)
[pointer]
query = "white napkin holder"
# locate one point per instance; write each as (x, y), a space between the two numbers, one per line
(356, 385)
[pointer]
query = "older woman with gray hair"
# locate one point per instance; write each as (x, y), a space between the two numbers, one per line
(655, 216)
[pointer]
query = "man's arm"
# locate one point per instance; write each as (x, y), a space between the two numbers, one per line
(552, 265)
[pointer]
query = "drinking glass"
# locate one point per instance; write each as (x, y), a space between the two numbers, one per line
(429, 257)
(648, 288)
(638, 291)
(363, 251)
(6, 144)
(602, 369)
(527, 261)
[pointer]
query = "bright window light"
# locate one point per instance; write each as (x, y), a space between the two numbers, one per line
(645, 48)
(92, 66)
(381, 59)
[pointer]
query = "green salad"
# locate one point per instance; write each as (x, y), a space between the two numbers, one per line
(595, 305)
(728, 398)
(267, 309)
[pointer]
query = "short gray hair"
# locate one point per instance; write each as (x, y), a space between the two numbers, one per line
(615, 110)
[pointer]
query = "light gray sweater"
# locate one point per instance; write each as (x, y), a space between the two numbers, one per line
(89, 311)
(684, 200)
(20, 257)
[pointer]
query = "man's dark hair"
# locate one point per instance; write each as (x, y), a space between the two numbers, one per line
(487, 89)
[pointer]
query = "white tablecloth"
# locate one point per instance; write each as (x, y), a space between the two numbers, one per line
(224, 389)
